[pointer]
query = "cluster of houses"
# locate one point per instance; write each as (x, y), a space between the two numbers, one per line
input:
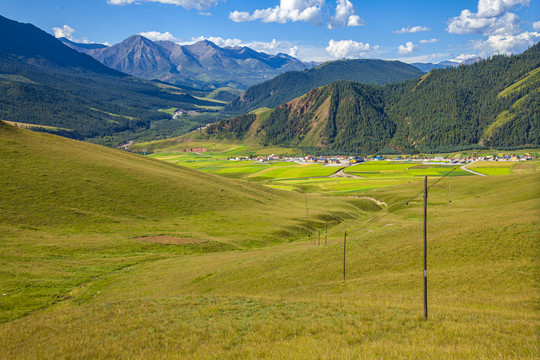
(182, 112)
(350, 160)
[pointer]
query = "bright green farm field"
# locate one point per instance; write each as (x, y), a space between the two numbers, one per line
(110, 255)
(500, 167)
(313, 177)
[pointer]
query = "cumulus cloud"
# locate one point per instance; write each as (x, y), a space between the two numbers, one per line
(471, 23)
(428, 41)
(345, 16)
(536, 26)
(64, 31)
(507, 44)
(489, 8)
(350, 49)
(67, 32)
(286, 11)
(463, 57)
(413, 29)
(406, 49)
(187, 4)
(494, 21)
(158, 36)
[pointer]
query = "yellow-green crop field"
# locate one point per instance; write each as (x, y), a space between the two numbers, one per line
(111, 255)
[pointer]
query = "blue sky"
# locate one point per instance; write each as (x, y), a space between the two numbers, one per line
(318, 30)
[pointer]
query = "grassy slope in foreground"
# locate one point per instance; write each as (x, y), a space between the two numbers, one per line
(72, 211)
(289, 300)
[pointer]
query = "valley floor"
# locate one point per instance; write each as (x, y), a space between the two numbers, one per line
(290, 301)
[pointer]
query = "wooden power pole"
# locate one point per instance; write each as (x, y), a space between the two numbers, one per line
(344, 252)
(326, 233)
(425, 247)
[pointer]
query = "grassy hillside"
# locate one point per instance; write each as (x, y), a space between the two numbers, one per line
(116, 296)
(73, 211)
(290, 85)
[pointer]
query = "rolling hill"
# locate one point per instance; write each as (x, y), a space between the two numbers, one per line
(47, 84)
(97, 203)
(107, 254)
(491, 103)
(290, 85)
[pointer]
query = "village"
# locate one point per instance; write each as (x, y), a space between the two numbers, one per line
(351, 160)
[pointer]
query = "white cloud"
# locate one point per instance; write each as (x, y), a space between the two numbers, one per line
(67, 32)
(471, 23)
(345, 16)
(406, 49)
(506, 44)
(495, 21)
(187, 4)
(536, 26)
(350, 49)
(428, 41)
(64, 31)
(157, 36)
(286, 11)
(413, 29)
(240, 16)
(489, 8)
(463, 57)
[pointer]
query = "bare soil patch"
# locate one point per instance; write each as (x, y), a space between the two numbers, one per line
(341, 174)
(171, 240)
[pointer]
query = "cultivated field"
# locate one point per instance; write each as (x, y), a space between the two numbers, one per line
(313, 177)
(106, 254)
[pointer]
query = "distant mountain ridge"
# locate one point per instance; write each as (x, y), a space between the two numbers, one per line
(202, 65)
(60, 90)
(427, 67)
(290, 85)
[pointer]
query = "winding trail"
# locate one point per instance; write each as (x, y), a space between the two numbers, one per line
(380, 203)
(464, 167)
(340, 173)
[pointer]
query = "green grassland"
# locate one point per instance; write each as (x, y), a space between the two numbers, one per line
(247, 282)
(74, 209)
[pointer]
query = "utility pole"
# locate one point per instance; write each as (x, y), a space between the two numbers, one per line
(425, 247)
(344, 252)
(326, 233)
(307, 211)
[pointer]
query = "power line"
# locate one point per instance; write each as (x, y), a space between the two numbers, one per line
(373, 220)
(403, 203)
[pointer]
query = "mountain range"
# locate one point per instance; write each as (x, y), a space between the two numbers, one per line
(289, 85)
(57, 89)
(202, 65)
(491, 103)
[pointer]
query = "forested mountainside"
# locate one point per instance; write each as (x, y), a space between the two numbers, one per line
(45, 83)
(492, 103)
(290, 85)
